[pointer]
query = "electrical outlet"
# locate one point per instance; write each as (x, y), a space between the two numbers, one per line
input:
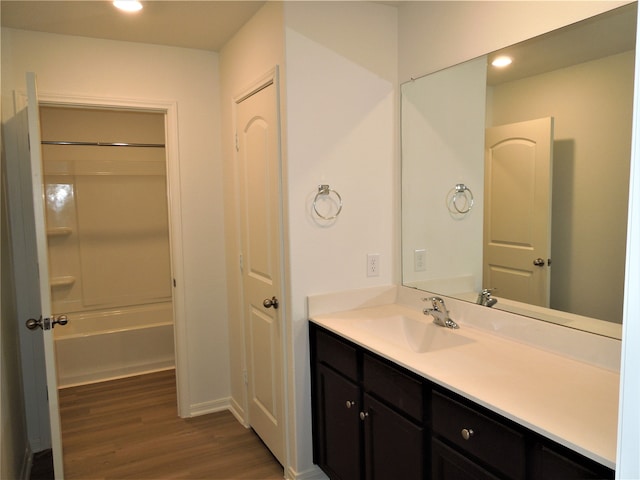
(419, 260)
(373, 265)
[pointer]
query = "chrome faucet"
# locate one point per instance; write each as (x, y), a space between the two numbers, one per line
(439, 312)
(485, 298)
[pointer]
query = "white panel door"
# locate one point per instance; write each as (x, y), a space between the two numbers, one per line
(517, 219)
(46, 320)
(261, 235)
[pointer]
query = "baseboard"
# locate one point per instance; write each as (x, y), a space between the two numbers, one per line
(238, 412)
(115, 374)
(313, 473)
(212, 406)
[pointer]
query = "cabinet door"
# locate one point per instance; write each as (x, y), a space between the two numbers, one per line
(337, 435)
(553, 464)
(448, 464)
(394, 446)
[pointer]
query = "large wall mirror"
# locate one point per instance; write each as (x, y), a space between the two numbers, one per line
(517, 179)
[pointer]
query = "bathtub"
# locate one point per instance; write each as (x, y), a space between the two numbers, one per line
(107, 344)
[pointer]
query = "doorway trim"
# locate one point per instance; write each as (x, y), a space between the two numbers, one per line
(170, 111)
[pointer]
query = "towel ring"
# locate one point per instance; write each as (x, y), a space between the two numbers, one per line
(326, 190)
(460, 192)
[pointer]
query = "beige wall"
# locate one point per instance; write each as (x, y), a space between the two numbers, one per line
(341, 128)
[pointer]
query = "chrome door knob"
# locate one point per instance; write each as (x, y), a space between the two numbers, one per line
(47, 323)
(270, 302)
(350, 404)
(32, 323)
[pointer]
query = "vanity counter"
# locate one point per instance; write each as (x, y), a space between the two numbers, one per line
(568, 401)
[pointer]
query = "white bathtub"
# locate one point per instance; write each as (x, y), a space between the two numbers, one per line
(107, 344)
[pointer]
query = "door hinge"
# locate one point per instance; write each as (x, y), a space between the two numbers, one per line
(241, 261)
(174, 283)
(237, 143)
(245, 377)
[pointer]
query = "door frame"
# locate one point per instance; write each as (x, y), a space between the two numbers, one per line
(170, 111)
(259, 83)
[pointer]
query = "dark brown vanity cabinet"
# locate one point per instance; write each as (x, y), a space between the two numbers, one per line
(367, 414)
(375, 420)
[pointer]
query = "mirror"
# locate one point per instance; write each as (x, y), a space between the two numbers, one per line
(580, 78)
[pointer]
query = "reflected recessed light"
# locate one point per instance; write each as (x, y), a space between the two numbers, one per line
(128, 5)
(501, 61)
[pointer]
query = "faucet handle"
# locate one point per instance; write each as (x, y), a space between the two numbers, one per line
(438, 304)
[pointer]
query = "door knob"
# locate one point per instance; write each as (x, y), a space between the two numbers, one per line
(47, 323)
(538, 262)
(32, 323)
(270, 302)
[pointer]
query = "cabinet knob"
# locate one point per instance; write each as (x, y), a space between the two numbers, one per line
(363, 415)
(466, 433)
(350, 404)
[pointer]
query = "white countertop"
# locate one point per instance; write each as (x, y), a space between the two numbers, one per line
(571, 402)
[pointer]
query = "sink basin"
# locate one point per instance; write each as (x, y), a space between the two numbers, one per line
(418, 335)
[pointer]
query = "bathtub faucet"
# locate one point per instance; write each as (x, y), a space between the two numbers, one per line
(439, 312)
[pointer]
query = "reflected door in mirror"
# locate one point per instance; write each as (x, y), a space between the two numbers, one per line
(518, 210)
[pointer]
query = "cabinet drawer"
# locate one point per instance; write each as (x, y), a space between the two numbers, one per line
(337, 354)
(393, 386)
(489, 441)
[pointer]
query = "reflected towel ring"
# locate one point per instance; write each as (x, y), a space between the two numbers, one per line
(326, 190)
(460, 195)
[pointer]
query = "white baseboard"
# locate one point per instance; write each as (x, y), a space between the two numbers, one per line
(313, 473)
(238, 412)
(212, 406)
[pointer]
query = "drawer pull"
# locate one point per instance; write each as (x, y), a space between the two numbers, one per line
(466, 433)
(350, 404)
(363, 415)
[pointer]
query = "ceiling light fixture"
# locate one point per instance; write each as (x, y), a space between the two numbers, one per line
(128, 5)
(501, 62)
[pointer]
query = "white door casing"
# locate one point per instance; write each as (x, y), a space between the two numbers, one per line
(39, 220)
(258, 156)
(517, 217)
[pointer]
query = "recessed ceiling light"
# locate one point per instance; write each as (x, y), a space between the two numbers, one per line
(501, 61)
(128, 5)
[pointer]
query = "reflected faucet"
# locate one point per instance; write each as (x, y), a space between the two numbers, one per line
(485, 298)
(439, 312)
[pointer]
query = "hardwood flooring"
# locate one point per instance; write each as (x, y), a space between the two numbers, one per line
(129, 429)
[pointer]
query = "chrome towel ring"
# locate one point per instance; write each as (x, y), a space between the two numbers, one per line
(460, 199)
(325, 190)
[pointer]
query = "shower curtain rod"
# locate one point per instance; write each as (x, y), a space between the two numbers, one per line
(105, 144)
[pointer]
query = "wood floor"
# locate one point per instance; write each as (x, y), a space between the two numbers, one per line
(129, 429)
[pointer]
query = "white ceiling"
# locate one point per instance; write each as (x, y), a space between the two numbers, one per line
(205, 25)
